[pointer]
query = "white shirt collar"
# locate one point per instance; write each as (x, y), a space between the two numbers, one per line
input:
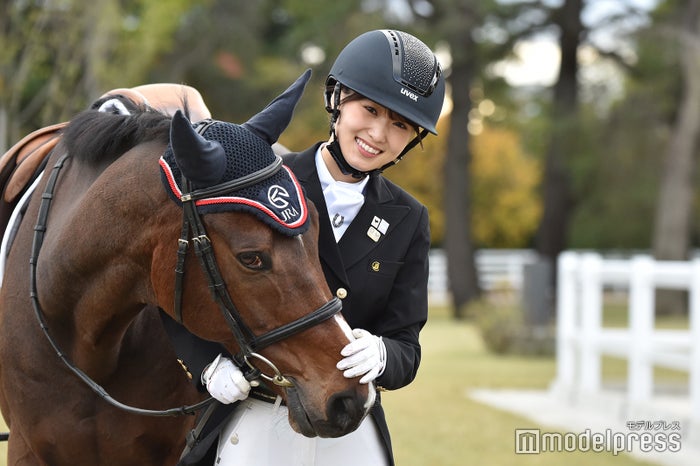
(343, 200)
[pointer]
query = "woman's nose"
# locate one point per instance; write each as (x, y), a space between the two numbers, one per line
(379, 129)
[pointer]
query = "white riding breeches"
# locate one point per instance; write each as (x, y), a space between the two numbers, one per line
(258, 434)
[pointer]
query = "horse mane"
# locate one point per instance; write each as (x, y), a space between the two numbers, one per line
(97, 137)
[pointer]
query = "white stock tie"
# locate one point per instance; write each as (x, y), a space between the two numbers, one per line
(343, 205)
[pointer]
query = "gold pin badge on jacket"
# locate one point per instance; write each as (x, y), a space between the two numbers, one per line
(375, 266)
(341, 293)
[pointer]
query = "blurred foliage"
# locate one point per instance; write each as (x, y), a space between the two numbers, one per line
(58, 56)
(617, 179)
(241, 55)
(420, 172)
(618, 171)
(506, 207)
(499, 320)
(499, 325)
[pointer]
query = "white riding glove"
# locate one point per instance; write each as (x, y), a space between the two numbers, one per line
(225, 381)
(365, 356)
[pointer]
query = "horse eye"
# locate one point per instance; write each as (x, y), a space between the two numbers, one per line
(254, 260)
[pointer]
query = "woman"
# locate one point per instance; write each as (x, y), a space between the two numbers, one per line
(384, 92)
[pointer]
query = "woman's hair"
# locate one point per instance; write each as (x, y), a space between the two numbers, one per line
(351, 95)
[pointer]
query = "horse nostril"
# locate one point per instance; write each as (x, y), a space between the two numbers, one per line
(345, 412)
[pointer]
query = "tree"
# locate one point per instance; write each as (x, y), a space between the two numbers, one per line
(671, 240)
(672, 222)
(561, 190)
(557, 195)
(57, 56)
(459, 241)
(460, 22)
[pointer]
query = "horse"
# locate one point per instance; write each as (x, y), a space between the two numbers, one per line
(140, 213)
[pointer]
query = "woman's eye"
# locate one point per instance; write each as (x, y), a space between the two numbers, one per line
(371, 110)
(254, 260)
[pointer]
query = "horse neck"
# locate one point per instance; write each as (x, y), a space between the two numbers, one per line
(93, 270)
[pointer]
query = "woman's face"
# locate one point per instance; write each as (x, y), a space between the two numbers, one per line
(370, 135)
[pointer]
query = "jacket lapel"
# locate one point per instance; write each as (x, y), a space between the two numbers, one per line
(304, 167)
(374, 222)
(358, 241)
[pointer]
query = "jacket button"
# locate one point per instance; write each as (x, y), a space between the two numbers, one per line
(341, 293)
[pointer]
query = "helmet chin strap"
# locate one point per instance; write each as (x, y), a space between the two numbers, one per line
(337, 154)
(343, 165)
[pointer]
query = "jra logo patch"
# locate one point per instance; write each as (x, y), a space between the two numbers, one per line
(278, 196)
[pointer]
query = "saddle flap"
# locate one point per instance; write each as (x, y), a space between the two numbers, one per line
(19, 163)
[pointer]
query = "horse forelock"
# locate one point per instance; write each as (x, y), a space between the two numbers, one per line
(98, 137)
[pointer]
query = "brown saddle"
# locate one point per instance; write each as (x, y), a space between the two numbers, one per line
(20, 165)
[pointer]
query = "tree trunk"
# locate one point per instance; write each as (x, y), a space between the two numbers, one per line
(674, 204)
(461, 267)
(551, 238)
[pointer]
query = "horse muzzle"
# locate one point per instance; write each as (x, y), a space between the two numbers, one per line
(344, 411)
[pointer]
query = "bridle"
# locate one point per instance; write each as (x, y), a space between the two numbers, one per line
(247, 341)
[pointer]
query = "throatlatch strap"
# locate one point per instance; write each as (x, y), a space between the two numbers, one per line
(182, 246)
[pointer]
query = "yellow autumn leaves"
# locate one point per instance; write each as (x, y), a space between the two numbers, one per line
(506, 205)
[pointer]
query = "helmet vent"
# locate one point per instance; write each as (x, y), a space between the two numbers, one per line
(415, 65)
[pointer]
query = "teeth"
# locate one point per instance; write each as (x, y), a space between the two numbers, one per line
(364, 146)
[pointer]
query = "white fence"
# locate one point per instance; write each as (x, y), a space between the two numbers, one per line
(582, 340)
(496, 268)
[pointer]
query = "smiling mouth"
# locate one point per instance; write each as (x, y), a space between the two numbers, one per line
(366, 147)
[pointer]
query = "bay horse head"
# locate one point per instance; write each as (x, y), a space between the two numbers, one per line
(228, 248)
(263, 269)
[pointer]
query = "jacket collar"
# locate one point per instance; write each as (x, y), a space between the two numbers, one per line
(357, 242)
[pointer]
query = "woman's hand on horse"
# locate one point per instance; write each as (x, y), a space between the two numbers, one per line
(366, 356)
(225, 381)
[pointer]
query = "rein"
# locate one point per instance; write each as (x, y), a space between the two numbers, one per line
(247, 341)
(39, 231)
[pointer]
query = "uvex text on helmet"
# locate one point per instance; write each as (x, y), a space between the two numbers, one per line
(396, 70)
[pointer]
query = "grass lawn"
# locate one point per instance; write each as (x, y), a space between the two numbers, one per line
(434, 423)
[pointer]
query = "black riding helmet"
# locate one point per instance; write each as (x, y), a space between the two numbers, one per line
(394, 69)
